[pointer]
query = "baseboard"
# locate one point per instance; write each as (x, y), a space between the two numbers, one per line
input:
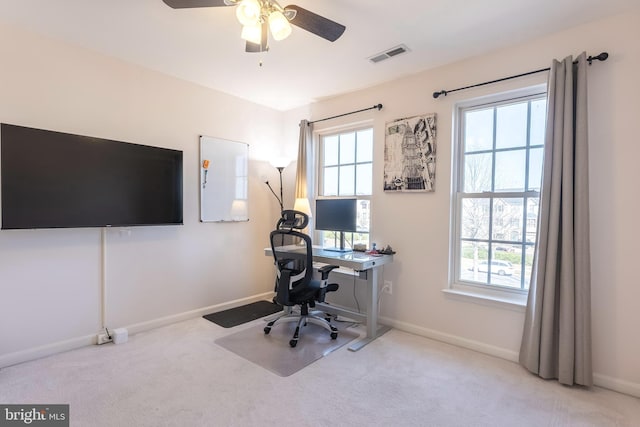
(478, 346)
(77, 342)
(163, 321)
(615, 384)
(599, 380)
(46, 350)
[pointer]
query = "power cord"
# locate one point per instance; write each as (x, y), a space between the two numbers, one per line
(340, 319)
(380, 296)
(355, 297)
(381, 291)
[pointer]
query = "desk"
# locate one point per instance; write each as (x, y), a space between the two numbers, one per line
(367, 268)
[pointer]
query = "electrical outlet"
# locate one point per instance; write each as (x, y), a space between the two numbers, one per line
(103, 338)
(388, 287)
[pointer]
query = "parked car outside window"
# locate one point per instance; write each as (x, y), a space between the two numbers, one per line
(502, 268)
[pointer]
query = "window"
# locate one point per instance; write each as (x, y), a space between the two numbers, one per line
(345, 170)
(498, 173)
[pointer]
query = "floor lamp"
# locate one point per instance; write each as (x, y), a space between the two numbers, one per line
(280, 164)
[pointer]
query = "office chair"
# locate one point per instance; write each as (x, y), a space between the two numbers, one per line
(295, 285)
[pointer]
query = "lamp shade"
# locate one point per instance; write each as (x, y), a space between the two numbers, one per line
(280, 162)
(302, 205)
(248, 12)
(252, 33)
(279, 25)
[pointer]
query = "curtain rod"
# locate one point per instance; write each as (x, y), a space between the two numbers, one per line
(602, 57)
(379, 107)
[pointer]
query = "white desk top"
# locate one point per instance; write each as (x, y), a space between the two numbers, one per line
(358, 261)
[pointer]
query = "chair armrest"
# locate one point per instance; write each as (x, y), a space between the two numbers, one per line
(325, 270)
(282, 291)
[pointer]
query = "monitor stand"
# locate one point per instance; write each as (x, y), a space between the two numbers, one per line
(341, 248)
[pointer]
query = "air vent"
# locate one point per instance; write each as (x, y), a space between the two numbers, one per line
(389, 53)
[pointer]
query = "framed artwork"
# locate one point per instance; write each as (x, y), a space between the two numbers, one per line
(410, 154)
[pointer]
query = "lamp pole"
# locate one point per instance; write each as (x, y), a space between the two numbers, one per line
(281, 200)
(279, 164)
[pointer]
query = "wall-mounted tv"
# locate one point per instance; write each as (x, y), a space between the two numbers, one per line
(58, 180)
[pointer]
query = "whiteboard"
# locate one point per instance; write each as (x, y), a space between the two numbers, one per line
(223, 180)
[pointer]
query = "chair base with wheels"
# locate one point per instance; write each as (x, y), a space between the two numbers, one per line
(303, 319)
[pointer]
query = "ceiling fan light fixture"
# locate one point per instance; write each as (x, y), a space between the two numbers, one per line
(271, 17)
(279, 25)
(248, 12)
(252, 33)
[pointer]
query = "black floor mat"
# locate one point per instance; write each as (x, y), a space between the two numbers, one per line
(243, 314)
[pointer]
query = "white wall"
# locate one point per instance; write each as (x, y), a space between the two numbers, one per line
(50, 280)
(417, 225)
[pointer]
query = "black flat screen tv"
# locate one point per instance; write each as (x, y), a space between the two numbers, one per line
(59, 180)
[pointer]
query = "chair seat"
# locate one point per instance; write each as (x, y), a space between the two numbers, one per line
(305, 293)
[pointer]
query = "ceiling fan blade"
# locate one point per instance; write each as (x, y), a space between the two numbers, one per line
(316, 24)
(185, 4)
(263, 46)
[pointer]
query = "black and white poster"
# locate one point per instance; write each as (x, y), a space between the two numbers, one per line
(410, 154)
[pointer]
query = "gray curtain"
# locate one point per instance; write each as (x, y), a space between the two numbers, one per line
(304, 180)
(556, 340)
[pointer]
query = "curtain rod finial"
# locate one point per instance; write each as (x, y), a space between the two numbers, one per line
(379, 107)
(437, 94)
(602, 57)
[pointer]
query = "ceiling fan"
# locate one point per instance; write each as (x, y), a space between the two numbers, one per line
(259, 16)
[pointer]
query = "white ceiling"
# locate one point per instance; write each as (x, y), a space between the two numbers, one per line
(203, 45)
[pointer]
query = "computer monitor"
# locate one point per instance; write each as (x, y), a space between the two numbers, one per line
(338, 215)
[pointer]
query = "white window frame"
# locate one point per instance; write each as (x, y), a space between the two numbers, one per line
(491, 294)
(319, 136)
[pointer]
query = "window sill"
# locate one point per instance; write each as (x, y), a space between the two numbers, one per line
(505, 300)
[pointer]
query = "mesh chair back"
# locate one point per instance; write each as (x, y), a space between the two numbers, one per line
(294, 266)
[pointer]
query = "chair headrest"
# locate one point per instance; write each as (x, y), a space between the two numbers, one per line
(293, 220)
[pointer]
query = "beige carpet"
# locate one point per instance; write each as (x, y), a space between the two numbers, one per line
(178, 376)
(273, 352)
